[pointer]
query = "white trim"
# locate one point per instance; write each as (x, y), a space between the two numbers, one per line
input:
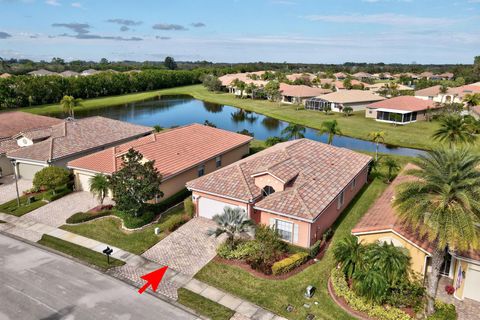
(397, 110)
(26, 161)
(388, 121)
(283, 214)
(475, 262)
(80, 170)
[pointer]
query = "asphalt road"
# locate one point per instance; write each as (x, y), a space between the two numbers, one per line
(37, 284)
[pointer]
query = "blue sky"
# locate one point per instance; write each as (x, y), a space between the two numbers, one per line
(310, 31)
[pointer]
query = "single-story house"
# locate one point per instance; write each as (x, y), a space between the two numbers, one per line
(69, 73)
(382, 85)
(298, 187)
(363, 76)
(356, 99)
(180, 155)
(228, 79)
(295, 76)
(340, 76)
(400, 110)
(382, 224)
(298, 93)
(12, 123)
(89, 72)
(339, 85)
(71, 139)
(42, 72)
(455, 94)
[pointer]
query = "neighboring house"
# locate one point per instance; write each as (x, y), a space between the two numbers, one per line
(69, 73)
(382, 85)
(356, 99)
(382, 224)
(400, 110)
(340, 86)
(298, 187)
(180, 155)
(228, 79)
(427, 75)
(299, 93)
(340, 76)
(363, 76)
(5, 75)
(455, 94)
(295, 76)
(11, 123)
(89, 72)
(69, 140)
(41, 73)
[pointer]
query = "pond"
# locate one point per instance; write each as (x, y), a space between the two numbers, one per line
(168, 111)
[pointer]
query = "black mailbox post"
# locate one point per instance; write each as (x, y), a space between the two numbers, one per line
(108, 251)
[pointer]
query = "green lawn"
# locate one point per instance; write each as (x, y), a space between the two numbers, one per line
(275, 295)
(12, 208)
(79, 252)
(109, 230)
(204, 306)
(414, 135)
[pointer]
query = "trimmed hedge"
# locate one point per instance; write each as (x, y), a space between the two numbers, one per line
(80, 217)
(443, 311)
(59, 193)
(175, 222)
(315, 249)
(358, 303)
(132, 222)
(290, 263)
(169, 202)
(189, 207)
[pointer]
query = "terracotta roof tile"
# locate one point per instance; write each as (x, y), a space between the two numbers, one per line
(14, 122)
(404, 103)
(301, 90)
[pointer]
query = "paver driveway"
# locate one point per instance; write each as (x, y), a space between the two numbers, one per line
(56, 213)
(188, 249)
(7, 188)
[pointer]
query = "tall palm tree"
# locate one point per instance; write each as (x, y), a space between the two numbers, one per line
(294, 131)
(443, 205)
(472, 100)
(331, 128)
(454, 130)
(348, 253)
(99, 186)
(377, 137)
(233, 222)
(392, 165)
(69, 103)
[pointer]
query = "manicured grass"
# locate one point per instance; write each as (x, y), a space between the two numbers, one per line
(204, 306)
(109, 230)
(12, 208)
(414, 135)
(79, 252)
(275, 295)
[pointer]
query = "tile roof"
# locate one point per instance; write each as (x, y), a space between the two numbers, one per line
(404, 103)
(316, 172)
(227, 79)
(69, 73)
(7, 145)
(42, 72)
(173, 150)
(339, 84)
(71, 137)
(429, 92)
(351, 96)
(14, 122)
(301, 90)
(380, 85)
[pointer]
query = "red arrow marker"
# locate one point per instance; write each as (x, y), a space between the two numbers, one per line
(153, 278)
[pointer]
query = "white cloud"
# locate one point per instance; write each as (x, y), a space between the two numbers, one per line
(55, 3)
(382, 18)
(76, 5)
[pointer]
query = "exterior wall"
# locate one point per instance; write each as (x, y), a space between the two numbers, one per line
(459, 290)
(27, 170)
(358, 106)
(5, 166)
(371, 113)
(303, 227)
(269, 180)
(418, 257)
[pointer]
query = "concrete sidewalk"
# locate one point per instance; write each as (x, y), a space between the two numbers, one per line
(135, 267)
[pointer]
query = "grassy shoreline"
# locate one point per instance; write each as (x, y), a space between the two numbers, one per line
(415, 135)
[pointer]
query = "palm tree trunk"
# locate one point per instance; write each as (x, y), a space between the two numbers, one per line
(376, 152)
(433, 277)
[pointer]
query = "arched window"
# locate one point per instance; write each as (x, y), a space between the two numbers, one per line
(267, 190)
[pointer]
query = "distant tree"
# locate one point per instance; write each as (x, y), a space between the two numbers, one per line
(250, 89)
(68, 105)
(377, 137)
(271, 141)
(135, 183)
(212, 83)
(50, 178)
(347, 83)
(99, 186)
(294, 131)
(347, 111)
(246, 132)
(331, 128)
(272, 90)
(209, 124)
(170, 63)
(472, 100)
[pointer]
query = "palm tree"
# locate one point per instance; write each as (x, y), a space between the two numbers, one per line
(371, 284)
(331, 128)
(377, 137)
(157, 128)
(392, 166)
(233, 222)
(69, 103)
(454, 130)
(294, 131)
(443, 205)
(393, 262)
(472, 100)
(99, 186)
(348, 253)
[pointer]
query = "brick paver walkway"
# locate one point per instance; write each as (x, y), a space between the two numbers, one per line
(7, 188)
(467, 309)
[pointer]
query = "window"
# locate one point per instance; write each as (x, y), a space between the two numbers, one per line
(341, 199)
(284, 230)
(218, 161)
(267, 190)
(354, 183)
(201, 170)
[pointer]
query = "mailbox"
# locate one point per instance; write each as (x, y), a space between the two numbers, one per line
(309, 292)
(108, 251)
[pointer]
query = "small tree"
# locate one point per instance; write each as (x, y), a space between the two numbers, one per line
(68, 105)
(212, 83)
(209, 124)
(348, 253)
(294, 131)
(170, 63)
(377, 137)
(99, 186)
(157, 128)
(272, 90)
(331, 128)
(271, 141)
(233, 222)
(347, 111)
(135, 183)
(51, 177)
(392, 167)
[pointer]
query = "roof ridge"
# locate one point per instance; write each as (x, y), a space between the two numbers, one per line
(244, 179)
(51, 148)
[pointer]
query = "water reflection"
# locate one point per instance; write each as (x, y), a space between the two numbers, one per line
(212, 107)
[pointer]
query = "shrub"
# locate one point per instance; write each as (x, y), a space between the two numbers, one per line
(80, 217)
(51, 177)
(189, 207)
(290, 263)
(443, 311)
(342, 290)
(169, 202)
(269, 249)
(52, 195)
(132, 222)
(315, 249)
(175, 222)
(241, 250)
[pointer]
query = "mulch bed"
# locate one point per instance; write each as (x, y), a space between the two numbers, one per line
(244, 266)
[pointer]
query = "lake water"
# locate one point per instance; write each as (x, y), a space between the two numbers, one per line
(171, 111)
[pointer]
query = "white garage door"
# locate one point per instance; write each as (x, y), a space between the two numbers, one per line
(472, 281)
(27, 171)
(207, 208)
(83, 182)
